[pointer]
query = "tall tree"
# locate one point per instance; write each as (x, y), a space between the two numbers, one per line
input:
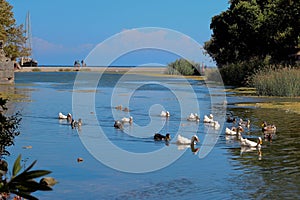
(11, 34)
(255, 29)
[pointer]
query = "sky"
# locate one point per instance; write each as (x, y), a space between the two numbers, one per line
(64, 31)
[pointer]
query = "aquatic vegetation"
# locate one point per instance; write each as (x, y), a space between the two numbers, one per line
(277, 82)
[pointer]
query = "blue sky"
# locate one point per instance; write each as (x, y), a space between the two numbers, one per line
(64, 31)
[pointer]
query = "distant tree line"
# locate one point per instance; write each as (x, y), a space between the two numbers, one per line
(11, 34)
(253, 34)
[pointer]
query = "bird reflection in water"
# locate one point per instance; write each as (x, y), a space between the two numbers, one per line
(246, 149)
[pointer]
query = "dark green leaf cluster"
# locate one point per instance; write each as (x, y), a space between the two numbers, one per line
(256, 29)
(8, 128)
(23, 184)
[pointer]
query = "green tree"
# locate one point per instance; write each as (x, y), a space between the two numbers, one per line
(255, 29)
(11, 34)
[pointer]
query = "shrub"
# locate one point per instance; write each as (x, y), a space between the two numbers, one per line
(183, 67)
(8, 128)
(277, 82)
(238, 74)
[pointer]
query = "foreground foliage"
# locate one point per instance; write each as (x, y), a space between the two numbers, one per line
(21, 184)
(8, 128)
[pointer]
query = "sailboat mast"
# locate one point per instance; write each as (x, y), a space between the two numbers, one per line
(28, 33)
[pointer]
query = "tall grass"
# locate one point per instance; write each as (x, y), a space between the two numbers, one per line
(284, 82)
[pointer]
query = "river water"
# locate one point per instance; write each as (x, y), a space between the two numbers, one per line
(219, 170)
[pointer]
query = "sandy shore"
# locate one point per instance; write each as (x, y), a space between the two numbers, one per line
(94, 69)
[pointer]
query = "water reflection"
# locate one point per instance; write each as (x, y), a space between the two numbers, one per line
(269, 173)
(277, 164)
(192, 147)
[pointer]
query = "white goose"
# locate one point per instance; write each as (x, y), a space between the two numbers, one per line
(62, 116)
(208, 119)
(244, 123)
(127, 120)
(165, 114)
(185, 141)
(214, 124)
(249, 143)
(193, 117)
(233, 130)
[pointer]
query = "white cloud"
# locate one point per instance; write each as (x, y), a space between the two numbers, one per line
(43, 46)
(145, 38)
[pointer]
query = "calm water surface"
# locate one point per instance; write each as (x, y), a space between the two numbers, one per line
(225, 173)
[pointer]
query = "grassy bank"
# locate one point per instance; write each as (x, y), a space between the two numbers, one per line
(286, 106)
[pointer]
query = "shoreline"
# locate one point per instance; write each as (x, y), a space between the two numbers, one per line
(159, 70)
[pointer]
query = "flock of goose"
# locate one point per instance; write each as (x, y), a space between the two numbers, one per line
(70, 120)
(268, 130)
(238, 127)
(236, 130)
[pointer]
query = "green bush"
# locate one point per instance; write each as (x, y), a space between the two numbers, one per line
(9, 128)
(183, 67)
(284, 82)
(238, 74)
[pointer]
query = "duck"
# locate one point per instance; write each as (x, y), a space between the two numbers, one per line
(244, 123)
(69, 117)
(119, 107)
(193, 117)
(118, 124)
(266, 127)
(214, 124)
(233, 130)
(76, 124)
(165, 114)
(230, 119)
(183, 140)
(62, 116)
(127, 120)
(126, 109)
(208, 119)
(159, 137)
(249, 143)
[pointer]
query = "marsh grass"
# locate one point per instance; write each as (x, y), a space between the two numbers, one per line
(284, 82)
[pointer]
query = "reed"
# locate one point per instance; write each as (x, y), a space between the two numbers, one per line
(283, 82)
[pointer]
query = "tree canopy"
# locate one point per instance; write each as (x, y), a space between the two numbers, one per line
(12, 35)
(257, 29)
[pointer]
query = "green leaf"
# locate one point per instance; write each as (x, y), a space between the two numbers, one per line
(30, 186)
(30, 166)
(24, 195)
(17, 166)
(30, 175)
